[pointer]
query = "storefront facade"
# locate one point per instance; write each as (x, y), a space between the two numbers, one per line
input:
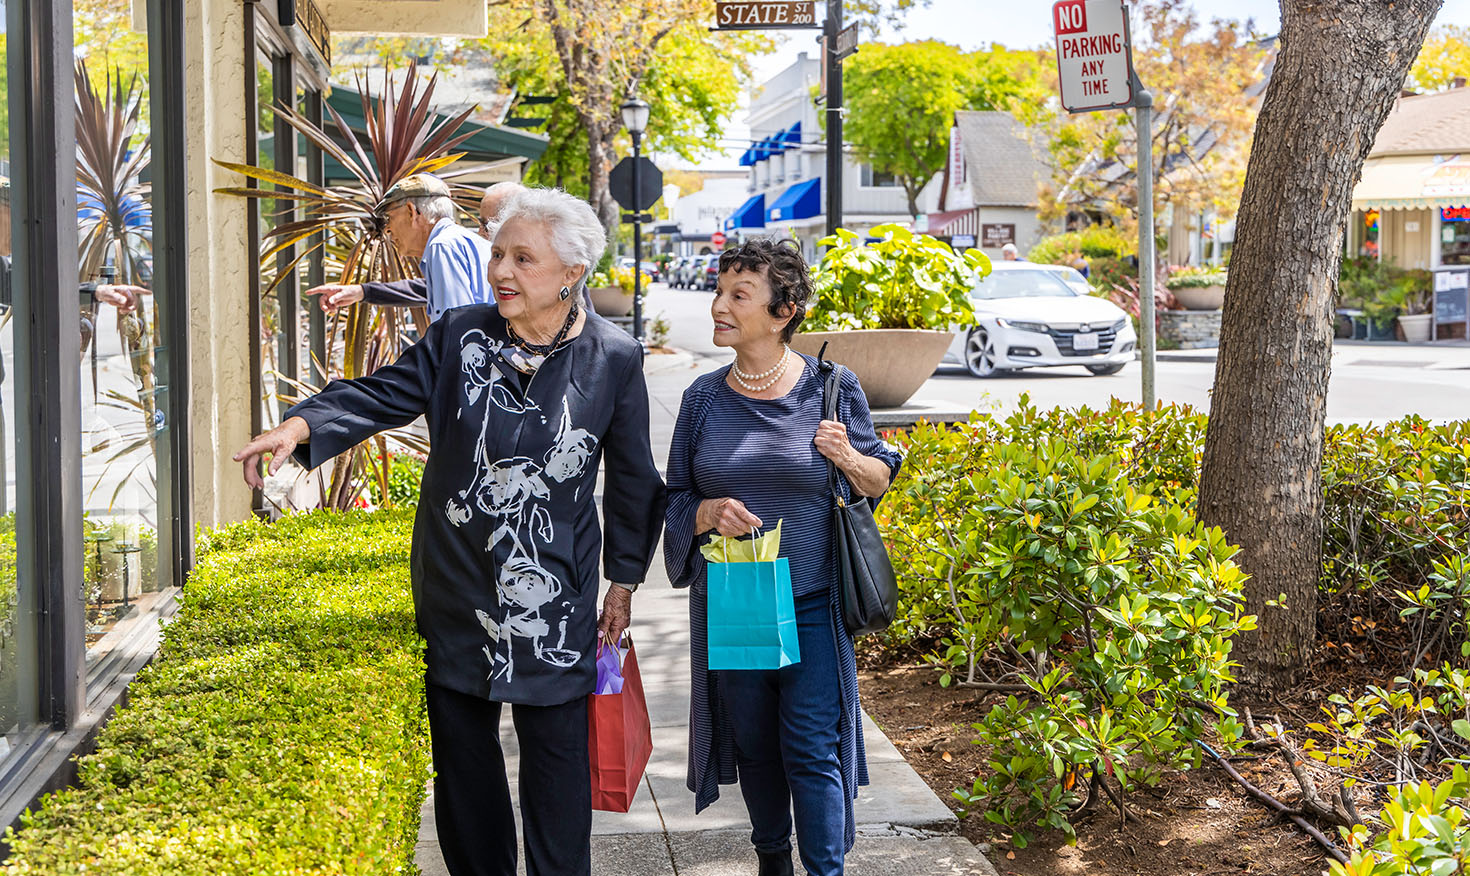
(1412, 206)
(119, 410)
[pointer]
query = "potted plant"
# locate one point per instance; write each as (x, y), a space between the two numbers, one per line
(612, 292)
(1197, 288)
(1410, 295)
(886, 309)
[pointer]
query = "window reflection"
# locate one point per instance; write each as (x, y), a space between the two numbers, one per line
(124, 427)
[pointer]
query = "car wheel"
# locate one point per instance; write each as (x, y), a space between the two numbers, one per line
(1105, 370)
(980, 353)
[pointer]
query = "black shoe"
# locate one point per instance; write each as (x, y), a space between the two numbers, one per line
(776, 863)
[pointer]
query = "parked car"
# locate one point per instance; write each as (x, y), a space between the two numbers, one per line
(707, 275)
(653, 271)
(1027, 317)
(675, 272)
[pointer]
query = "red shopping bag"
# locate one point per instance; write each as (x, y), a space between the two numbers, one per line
(619, 738)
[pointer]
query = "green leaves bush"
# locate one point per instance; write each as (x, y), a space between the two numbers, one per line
(1059, 556)
(1094, 242)
(904, 281)
(281, 729)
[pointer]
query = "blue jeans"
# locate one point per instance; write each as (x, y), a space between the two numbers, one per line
(786, 724)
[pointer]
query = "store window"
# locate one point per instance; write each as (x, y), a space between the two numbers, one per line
(124, 420)
(1454, 230)
(19, 671)
(1370, 229)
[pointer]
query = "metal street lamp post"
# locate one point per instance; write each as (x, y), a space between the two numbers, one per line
(635, 119)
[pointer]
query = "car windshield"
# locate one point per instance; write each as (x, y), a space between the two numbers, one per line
(1023, 284)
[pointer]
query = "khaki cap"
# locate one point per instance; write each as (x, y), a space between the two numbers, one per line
(418, 185)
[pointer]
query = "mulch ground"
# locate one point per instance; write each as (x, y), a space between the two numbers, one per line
(1197, 823)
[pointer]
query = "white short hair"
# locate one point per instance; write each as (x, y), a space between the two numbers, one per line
(576, 232)
(434, 207)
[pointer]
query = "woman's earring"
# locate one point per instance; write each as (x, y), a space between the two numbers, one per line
(566, 292)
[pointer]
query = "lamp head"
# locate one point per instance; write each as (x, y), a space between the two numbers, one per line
(635, 115)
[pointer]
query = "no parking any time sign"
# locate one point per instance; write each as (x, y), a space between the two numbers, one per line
(1094, 54)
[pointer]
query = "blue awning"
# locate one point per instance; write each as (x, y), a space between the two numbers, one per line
(801, 201)
(751, 214)
(747, 158)
(793, 136)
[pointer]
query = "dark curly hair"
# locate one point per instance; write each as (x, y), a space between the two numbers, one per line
(786, 271)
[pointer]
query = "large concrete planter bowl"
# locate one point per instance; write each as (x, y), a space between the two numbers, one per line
(1415, 328)
(1200, 297)
(891, 364)
(611, 301)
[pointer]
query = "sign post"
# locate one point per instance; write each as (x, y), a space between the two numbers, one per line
(1095, 66)
(636, 183)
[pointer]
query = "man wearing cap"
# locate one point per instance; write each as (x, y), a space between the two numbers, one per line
(420, 220)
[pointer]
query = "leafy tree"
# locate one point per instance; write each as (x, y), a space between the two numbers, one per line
(1445, 56)
(901, 101)
(1201, 78)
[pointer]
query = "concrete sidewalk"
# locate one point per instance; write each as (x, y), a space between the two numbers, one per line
(903, 828)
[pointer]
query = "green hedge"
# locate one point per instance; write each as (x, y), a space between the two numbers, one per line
(280, 731)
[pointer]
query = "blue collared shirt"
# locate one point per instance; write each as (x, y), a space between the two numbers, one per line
(455, 266)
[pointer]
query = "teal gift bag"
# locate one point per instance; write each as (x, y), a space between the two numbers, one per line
(751, 615)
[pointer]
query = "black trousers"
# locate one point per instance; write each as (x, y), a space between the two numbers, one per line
(472, 805)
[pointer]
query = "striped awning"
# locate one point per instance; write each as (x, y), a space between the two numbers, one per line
(953, 222)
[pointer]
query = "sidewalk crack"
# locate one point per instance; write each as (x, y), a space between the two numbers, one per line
(668, 845)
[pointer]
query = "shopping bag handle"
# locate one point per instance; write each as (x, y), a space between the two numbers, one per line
(725, 544)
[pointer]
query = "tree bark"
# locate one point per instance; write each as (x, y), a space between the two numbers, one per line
(1341, 65)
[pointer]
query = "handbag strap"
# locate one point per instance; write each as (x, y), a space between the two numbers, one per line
(830, 390)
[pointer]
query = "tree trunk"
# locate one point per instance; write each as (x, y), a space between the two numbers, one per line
(600, 156)
(1339, 71)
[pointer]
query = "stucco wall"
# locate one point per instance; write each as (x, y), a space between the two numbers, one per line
(219, 360)
(465, 18)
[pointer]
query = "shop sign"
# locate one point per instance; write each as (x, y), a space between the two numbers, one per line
(962, 241)
(996, 236)
(1447, 180)
(1094, 54)
(1452, 297)
(1454, 214)
(770, 14)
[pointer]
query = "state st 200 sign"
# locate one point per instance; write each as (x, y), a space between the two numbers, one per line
(1094, 57)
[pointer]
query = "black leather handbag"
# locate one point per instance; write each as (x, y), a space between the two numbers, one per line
(869, 586)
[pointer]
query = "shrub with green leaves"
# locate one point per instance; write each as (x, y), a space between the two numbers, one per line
(1427, 833)
(1094, 242)
(280, 730)
(1067, 564)
(904, 281)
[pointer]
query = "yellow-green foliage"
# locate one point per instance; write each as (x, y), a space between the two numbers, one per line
(280, 731)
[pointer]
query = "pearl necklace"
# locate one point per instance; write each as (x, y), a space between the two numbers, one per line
(775, 372)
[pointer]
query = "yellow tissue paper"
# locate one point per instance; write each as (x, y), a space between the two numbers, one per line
(725, 549)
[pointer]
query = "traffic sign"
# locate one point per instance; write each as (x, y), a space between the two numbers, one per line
(717, 239)
(1094, 54)
(650, 183)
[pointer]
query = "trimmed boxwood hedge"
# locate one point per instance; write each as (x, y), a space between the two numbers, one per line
(281, 729)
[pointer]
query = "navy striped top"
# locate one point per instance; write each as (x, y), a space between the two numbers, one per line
(761, 452)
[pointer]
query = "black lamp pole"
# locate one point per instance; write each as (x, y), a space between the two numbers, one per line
(834, 116)
(635, 119)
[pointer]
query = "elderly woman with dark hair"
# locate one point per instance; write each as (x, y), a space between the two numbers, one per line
(750, 448)
(524, 398)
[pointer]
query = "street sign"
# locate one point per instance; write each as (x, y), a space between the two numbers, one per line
(847, 41)
(717, 239)
(1094, 54)
(650, 184)
(765, 14)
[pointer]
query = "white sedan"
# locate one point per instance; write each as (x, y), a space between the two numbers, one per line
(1026, 317)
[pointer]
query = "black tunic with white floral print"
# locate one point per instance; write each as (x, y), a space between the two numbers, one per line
(506, 540)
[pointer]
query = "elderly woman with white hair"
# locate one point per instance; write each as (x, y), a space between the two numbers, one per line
(524, 398)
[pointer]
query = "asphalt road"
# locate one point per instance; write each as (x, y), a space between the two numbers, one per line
(1370, 382)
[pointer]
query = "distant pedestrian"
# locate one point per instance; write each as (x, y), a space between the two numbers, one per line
(1010, 253)
(750, 449)
(422, 222)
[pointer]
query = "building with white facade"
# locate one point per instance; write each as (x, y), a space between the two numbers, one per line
(786, 193)
(988, 195)
(698, 215)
